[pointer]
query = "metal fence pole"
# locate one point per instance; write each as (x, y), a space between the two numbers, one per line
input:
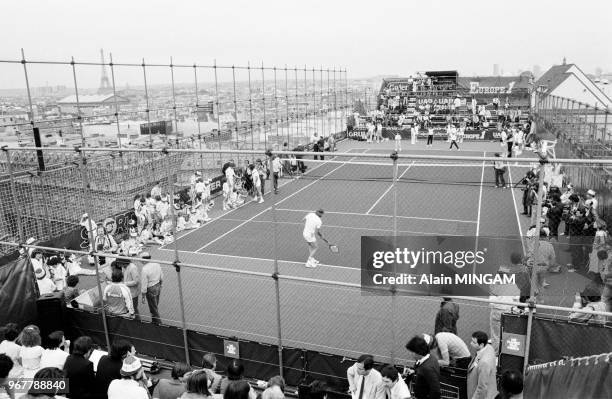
(174, 98)
(45, 201)
(323, 109)
(92, 241)
(76, 93)
(297, 106)
(287, 107)
(605, 134)
(27, 82)
(534, 280)
(218, 111)
(263, 101)
(177, 266)
(275, 276)
(251, 107)
(16, 202)
(394, 157)
(147, 111)
(235, 110)
(335, 105)
(276, 108)
(112, 67)
(315, 109)
(197, 105)
(306, 100)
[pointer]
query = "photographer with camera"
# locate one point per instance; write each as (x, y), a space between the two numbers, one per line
(530, 181)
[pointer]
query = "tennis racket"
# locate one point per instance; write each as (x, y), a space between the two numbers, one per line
(333, 248)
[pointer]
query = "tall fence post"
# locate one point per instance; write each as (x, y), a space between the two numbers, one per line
(218, 112)
(394, 157)
(275, 276)
(112, 67)
(197, 105)
(287, 108)
(177, 265)
(147, 110)
(534, 258)
(263, 101)
(92, 241)
(251, 107)
(16, 202)
(235, 110)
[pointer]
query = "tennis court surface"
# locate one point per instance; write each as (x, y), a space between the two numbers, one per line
(359, 198)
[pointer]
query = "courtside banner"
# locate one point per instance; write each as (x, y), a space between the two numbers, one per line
(438, 265)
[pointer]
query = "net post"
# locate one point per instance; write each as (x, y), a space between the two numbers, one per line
(275, 276)
(92, 248)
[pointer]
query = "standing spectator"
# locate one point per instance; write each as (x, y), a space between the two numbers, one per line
(175, 387)
(500, 169)
(321, 146)
(426, 372)
(414, 132)
(544, 260)
(452, 350)
(156, 191)
(365, 382)
(481, 382)
(151, 285)
(263, 174)
(576, 223)
(79, 370)
(116, 297)
(71, 292)
(277, 167)
(31, 351)
(453, 138)
(510, 385)
(509, 143)
(394, 386)
(131, 384)
(430, 136)
(209, 363)
(555, 214)
(10, 348)
(6, 365)
(447, 316)
(131, 279)
(332, 143)
(109, 366)
(398, 141)
(256, 184)
(57, 353)
(45, 285)
(57, 273)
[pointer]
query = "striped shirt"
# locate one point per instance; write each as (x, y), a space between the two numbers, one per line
(450, 347)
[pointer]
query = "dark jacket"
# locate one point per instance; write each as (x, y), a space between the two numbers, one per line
(427, 379)
(108, 370)
(81, 378)
(446, 319)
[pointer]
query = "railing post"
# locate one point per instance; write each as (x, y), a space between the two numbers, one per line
(534, 256)
(263, 101)
(197, 105)
(92, 241)
(275, 276)
(177, 265)
(218, 111)
(251, 107)
(394, 157)
(147, 111)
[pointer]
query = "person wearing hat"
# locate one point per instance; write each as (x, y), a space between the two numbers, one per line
(45, 285)
(151, 285)
(131, 383)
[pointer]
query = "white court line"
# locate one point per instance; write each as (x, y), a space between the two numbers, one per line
(378, 215)
(240, 206)
(390, 187)
(518, 220)
(267, 209)
(480, 200)
(339, 227)
(262, 259)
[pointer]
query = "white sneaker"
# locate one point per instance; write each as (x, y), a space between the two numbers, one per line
(207, 219)
(310, 263)
(261, 201)
(316, 262)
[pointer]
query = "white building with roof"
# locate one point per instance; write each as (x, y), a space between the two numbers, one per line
(89, 103)
(570, 82)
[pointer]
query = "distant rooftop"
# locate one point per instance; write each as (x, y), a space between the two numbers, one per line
(93, 99)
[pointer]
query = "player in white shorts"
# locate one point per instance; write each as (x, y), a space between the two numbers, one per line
(312, 228)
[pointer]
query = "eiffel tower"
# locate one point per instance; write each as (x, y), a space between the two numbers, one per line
(105, 86)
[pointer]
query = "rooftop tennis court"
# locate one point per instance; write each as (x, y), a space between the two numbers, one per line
(432, 198)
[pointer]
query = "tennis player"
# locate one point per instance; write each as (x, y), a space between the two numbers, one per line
(312, 229)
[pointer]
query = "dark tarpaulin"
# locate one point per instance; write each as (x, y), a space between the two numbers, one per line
(18, 292)
(583, 380)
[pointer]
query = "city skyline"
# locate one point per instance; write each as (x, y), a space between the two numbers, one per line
(357, 36)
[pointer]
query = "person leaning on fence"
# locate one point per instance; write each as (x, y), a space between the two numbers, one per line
(451, 350)
(500, 169)
(151, 285)
(426, 372)
(365, 382)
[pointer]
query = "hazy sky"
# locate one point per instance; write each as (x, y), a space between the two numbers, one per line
(367, 37)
